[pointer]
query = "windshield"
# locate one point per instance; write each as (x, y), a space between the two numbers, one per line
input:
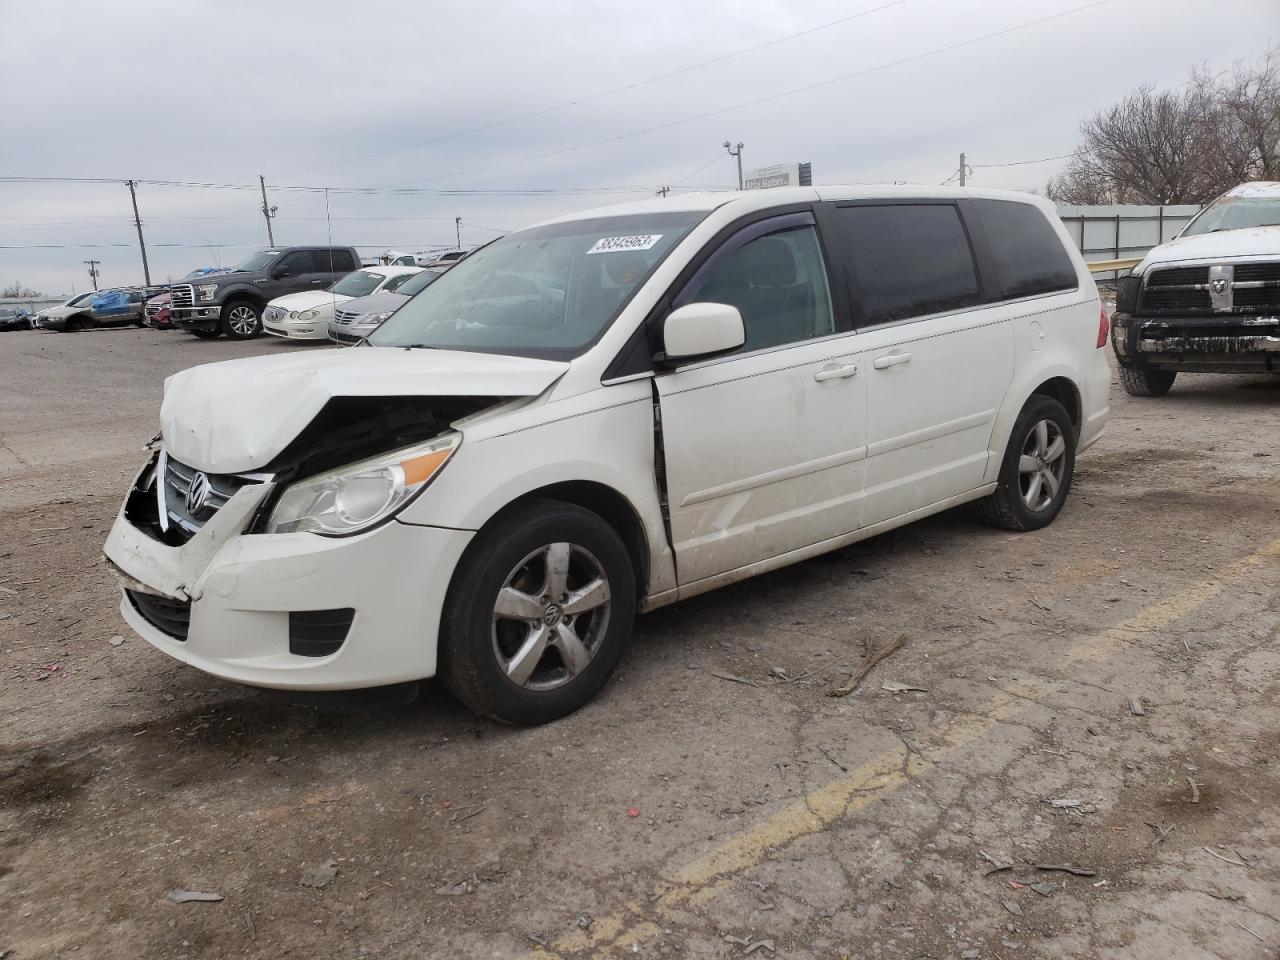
(544, 292)
(82, 298)
(257, 261)
(1235, 213)
(358, 284)
(419, 282)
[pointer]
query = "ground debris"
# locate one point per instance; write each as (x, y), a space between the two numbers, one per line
(1225, 893)
(1012, 907)
(734, 679)
(585, 921)
(1064, 803)
(1234, 863)
(454, 889)
(1044, 889)
(1195, 791)
(178, 895)
(748, 945)
(1136, 707)
(1067, 868)
(874, 656)
(894, 686)
(320, 876)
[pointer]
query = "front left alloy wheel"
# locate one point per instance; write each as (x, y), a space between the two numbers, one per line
(539, 614)
(241, 320)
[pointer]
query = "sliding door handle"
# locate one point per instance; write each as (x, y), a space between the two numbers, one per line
(842, 372)
(891, 360)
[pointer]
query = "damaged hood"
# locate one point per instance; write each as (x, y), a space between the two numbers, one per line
(1223, 245)
(236, 416)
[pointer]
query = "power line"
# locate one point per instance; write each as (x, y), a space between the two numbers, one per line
(606, 93)
(1022, 163)
(497, 192)
(777, 96)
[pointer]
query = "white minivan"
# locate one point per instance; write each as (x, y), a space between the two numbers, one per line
(604, 414)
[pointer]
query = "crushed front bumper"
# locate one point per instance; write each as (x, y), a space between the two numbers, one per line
(230, 603)
(1214, 344)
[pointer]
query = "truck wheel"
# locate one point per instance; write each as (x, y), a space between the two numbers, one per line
(1036, 473)
(539, 614)
(206, 334)
(1145, 382)
(241, 320)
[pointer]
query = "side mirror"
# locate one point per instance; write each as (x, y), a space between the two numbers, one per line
(702, 330)
(281, 273)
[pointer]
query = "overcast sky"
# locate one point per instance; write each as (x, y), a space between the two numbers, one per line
(347, 95)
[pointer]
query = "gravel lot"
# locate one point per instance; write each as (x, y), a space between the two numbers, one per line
(714, 796)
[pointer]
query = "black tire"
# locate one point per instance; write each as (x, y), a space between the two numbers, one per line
(1008, 506)
(1145, 382)
(76, 324)
(140, 322)
(514, 552)
(206, 334)
(236, 322)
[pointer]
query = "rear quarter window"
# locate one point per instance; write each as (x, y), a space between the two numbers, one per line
(1026, 251)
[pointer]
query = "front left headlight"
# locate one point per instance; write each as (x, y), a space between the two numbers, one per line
(358, 496)
(206, 291)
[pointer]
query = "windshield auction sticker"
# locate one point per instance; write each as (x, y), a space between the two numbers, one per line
(616, 244)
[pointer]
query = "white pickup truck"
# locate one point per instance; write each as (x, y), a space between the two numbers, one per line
(1208, 301)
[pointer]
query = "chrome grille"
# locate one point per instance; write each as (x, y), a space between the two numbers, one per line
(182, 295)
(346, 316)
(178, 478)
(1219, 289)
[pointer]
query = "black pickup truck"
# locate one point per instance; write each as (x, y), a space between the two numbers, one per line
(232, 302)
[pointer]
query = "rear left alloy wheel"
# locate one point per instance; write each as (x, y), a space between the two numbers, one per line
(539, 614)
(1035, 475)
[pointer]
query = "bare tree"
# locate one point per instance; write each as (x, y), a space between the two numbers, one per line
(1186, 146)
(16, 289)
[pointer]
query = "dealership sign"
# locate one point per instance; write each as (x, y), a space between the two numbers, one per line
(779, 175)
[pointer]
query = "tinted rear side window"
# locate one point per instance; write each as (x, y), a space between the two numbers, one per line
(334, 261)
(907, 260)
(1027, 252)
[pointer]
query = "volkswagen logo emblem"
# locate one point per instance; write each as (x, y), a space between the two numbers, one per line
(198, 494)
(1219, 285)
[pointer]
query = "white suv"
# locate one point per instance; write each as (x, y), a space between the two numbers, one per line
(604, 414)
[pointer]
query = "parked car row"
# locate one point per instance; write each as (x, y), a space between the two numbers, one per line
(99, 308)
(288, 292)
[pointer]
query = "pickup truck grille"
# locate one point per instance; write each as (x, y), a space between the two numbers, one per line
(187, 516)
(1250, 288)
(182, 295)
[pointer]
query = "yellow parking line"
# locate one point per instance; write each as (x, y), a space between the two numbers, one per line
(704, 878)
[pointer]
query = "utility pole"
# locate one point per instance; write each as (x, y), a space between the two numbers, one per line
(93, 271)
(962, 170)
(457, 226)
(662, 192)
(267, 211)
(137, 222)
(736, 151)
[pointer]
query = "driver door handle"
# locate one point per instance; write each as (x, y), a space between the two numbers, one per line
(840, 372)
(891, 360)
